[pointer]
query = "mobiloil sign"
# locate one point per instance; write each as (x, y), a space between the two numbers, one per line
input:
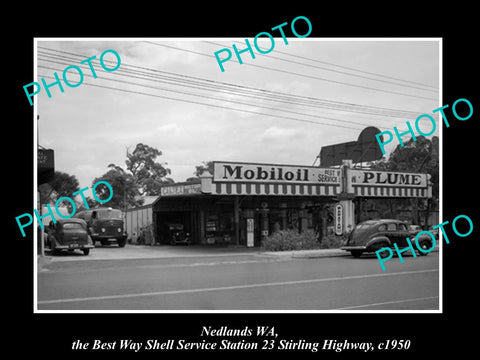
(270, 173)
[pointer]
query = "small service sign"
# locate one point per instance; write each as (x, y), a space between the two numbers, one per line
(338, 219)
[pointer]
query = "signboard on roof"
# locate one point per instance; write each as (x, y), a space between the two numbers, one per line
(180, 189)
(388, 178)
(271, 173)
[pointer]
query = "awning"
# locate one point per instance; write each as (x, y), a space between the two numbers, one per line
(228, 188)
(383, 191)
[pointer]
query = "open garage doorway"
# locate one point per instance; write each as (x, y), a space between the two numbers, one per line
(177, 228)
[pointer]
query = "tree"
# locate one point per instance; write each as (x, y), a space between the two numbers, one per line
(206, 166)
(152, 185)
(62, 185)
(415, 156)
(199, 169)
(143, 176)
(90, 202)
(147, 174)
(123, 185)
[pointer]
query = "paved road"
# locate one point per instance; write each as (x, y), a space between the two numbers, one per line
(238, 281)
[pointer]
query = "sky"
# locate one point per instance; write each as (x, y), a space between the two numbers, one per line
(92, 126)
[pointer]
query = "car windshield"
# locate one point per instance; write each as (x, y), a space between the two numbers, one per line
(109, 214)
(176, 227)
(68, 226)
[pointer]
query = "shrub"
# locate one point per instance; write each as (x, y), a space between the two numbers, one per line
(332, 242)
(285, 240)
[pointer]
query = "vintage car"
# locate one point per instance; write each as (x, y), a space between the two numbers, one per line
(178, 235)
(372, 235)
(69, 234)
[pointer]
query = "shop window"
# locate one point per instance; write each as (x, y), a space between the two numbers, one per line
(219, 228)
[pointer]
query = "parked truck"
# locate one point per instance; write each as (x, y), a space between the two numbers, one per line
(105, 224)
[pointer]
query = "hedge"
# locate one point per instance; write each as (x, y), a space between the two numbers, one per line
(285, 240)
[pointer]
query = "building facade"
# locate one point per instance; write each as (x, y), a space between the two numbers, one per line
(243, 203)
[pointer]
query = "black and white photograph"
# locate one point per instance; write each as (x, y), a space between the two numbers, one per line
(252, 184)
(260, 187)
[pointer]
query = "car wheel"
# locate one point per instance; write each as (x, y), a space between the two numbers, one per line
(356, 253)
(424, 245)
(384, 253)
(121, 243)
(86, 252)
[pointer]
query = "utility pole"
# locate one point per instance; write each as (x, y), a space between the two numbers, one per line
(125, 186)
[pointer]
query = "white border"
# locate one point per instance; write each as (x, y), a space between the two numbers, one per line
(35, 237)
(440, 172)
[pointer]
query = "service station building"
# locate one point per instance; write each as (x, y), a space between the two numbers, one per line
(242, 203)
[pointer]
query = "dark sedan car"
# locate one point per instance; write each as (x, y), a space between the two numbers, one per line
(178, 235)
(372, 235)
(69, 234)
